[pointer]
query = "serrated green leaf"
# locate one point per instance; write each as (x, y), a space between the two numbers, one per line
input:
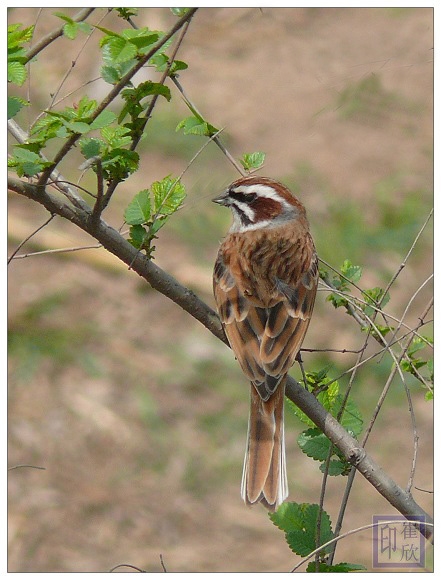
(121, 50)
(85, 107)
(179, 12)
(350, 271)
(119, 163)
(18, 37)
(116, 136)
(177, 65)
(159, 60)
(168, 195)
(288, 517)
(352, 418)
(126, 13)
(91, 147)
(64, 17)
(299, 522)
(109, 34)
(104, 119)
(138, 235)
(138, 211)
(16, 73)
(15, 104)
(141, 37)
(375, 297)
(78, 127)
(195, 126)
(252, 160)
(110, 74)
(70, 30)
(342, 567)
(314, 444)
(24, 154)
(335, 467)
(26, 162)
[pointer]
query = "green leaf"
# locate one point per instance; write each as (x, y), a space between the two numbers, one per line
(15, 104)
(104, 119)
(314, 444)
(350, 271)
(342, 567)
(127, 13)
(16, 73)
(119, 163)
(179, 12)
(331, 399)
(168, 195)
(77, 127)
(138, 235)
(26, 162)
(70, 30)
(121, 50)
(377, 298)
(336, 467)
(195, 126)
(110, 74)
(176, 66)
(85, 107)
(141, 37)
(138, 211)
(299, 522)
(352, 418)
(91, 147)
(252, 160)
(18, 37)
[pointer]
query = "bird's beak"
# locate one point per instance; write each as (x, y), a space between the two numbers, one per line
(222, 199)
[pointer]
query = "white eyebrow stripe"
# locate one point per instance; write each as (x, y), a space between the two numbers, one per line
(261, 190)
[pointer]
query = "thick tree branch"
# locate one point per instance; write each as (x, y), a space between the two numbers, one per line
(113, 241)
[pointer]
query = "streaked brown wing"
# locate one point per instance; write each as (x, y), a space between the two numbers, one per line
(265, 340)
(243, 323)
(288, 322)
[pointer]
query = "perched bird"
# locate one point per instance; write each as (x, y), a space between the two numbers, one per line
(265, 281)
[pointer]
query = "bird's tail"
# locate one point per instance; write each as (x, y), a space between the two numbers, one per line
(264, 473)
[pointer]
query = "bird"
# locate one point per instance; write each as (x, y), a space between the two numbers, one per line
(264, 283)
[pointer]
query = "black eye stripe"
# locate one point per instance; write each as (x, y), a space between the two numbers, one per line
(244, 197)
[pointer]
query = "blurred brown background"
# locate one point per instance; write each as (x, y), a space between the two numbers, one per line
(137, 414)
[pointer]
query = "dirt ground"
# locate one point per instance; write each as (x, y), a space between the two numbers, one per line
(137, 415)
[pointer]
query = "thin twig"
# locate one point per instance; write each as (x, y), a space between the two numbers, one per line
(127, 566)
(412, 247)
(218, 142)
(57, 251)
(44, 42)
(162, 563)
(21, 244)
(24, 465)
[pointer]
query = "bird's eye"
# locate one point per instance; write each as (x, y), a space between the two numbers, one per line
(249, 197)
